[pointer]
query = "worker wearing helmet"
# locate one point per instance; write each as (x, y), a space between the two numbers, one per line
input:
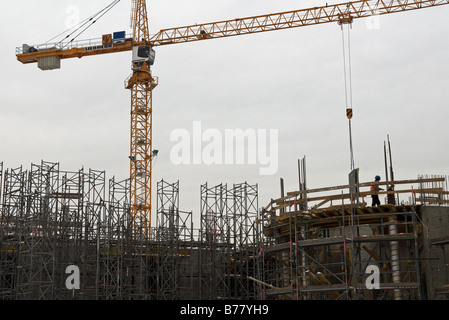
(375, 188)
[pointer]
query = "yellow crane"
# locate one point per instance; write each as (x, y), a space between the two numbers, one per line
(142, 82)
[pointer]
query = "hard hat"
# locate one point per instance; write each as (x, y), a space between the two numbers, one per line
(377, 178)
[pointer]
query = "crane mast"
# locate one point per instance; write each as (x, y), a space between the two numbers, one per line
(139, 21)
(141, 83)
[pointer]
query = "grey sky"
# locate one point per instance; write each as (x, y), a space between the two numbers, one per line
(289, 80)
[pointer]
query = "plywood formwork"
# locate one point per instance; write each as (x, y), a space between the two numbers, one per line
(316, 252)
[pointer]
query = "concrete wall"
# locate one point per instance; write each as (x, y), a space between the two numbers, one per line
(435, 252)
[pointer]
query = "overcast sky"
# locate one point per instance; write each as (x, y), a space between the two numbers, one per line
(290, 80)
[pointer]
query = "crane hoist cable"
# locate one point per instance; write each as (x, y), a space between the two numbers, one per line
(83, 25)
(348, 82)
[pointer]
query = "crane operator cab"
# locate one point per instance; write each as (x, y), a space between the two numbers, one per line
(143, 54)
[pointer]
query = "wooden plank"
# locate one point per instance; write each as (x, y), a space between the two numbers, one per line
(281, 204)
(385, 237)
(360, 185)
(388, 286)
(320, 241)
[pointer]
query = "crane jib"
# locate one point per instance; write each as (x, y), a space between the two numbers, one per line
(104, 46)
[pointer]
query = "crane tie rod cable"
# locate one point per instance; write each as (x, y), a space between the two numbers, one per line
(86, 24)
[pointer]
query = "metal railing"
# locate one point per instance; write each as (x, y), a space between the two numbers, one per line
(86, 43)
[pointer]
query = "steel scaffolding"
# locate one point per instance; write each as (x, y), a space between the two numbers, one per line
(228, 247)
(175, 260)
(53, 219)
(310, 244)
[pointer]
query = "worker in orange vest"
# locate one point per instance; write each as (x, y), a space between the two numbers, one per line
(375, 196)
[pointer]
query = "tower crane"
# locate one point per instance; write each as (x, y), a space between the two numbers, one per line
(141, 82)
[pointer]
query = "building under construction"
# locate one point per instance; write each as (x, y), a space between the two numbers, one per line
(310, 244)
(78, 235)
(324, 243)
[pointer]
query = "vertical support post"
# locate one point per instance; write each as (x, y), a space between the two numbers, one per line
(395, 261)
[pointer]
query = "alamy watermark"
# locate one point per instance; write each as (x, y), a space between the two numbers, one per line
(373, 21)
(233, 146)
(373, 280)
(73, 280)
(73, 16)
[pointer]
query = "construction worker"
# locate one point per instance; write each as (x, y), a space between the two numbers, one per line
(375, 196)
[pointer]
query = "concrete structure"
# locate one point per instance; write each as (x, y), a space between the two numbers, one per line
(434, 241)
